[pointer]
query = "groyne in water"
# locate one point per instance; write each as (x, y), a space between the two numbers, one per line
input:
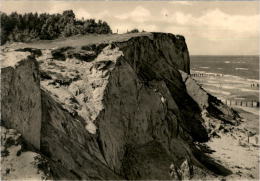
(206, 75)
(252, 85)
(201, 78)
(242, 103)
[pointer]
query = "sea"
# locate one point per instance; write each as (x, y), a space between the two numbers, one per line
(242, 66)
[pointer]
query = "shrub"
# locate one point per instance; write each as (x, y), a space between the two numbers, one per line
(135, 30)
(31, 26)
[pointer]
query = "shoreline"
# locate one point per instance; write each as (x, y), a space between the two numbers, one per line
(231, 90)
(226, 75)
(235, 92)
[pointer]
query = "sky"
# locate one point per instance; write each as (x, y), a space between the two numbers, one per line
(209, 27)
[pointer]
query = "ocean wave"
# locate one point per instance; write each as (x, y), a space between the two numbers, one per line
(240, 62)
(253, 81)
(240, 98)
(231, 77)
(248, 90)
(218, 91)
(240, 68)
(228, 87)
(204, 72)
(198, 71)
(204, 67)
(227, 62)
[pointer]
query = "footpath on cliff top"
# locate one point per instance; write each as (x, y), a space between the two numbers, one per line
(113, 107)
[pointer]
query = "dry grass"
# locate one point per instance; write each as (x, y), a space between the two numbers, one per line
(79, 40)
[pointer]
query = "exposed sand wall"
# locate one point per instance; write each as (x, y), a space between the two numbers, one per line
(21, 97)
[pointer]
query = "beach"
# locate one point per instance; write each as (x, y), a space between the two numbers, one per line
(238, 149)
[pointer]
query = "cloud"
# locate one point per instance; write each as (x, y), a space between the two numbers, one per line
(81, 13)
(183, 3)
(215, 24)
(55, 7)
(219, 25)
(139, 14)
(176, 17)
(123, 27)
(103, 14)
(236, 23)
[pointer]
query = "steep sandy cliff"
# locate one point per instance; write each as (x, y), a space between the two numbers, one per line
(117, 110)
(20, 95)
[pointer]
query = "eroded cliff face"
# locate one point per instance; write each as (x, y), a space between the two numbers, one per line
(20, 95)
(215, 114)
(160, 58)
(122, 110)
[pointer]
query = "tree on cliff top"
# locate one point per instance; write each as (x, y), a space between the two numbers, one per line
(32, 26)
(135, 30)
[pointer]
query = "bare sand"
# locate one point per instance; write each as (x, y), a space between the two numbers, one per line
(238, 149)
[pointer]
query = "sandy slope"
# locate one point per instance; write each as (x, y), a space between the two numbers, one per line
(234, 151)
(18, 163)
(237, 150)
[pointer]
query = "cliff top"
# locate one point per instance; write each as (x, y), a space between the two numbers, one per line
(80, 40)
(12, 58)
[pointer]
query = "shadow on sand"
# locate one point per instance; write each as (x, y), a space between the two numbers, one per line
(211, 164)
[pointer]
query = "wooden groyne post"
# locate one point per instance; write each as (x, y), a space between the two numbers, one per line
(243, 103)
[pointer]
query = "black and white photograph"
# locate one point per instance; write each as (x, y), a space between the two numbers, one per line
(129, 90)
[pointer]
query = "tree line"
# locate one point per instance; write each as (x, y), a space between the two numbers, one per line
(33, 26)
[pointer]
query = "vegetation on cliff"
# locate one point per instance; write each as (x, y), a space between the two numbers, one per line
(30, 26)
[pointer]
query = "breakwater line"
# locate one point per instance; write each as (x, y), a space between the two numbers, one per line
(242, 103)
(206, 75)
